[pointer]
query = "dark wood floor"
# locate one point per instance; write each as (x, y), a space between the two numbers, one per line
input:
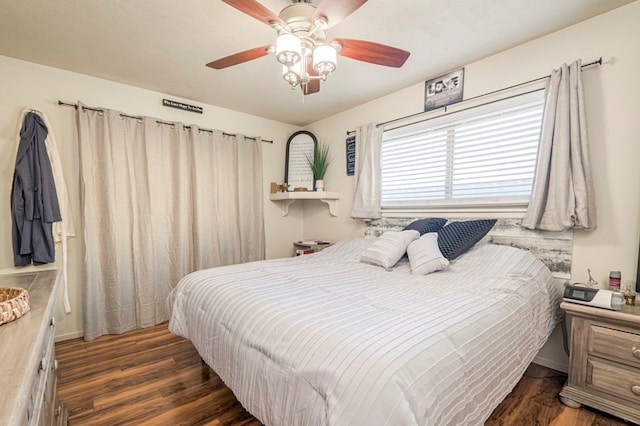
(151, 377)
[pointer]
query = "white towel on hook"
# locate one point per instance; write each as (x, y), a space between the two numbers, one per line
(65, 229)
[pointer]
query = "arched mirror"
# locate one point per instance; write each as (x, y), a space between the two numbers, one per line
(297, 172)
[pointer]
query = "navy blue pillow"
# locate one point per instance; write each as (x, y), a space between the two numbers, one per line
(424, 226)
(458, 237)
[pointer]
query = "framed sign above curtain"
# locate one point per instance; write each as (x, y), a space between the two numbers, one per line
(444, 90)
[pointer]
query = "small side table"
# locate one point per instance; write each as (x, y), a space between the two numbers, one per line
(308, 247)
(604, 360)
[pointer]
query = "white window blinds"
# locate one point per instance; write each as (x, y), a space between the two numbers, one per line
(484, 155)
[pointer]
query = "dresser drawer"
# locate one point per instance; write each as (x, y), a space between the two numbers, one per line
(614, 344)
(42, 413)
(615, 380)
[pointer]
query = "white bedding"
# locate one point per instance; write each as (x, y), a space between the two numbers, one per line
(324, 339)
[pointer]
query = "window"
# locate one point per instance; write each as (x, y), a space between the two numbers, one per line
(484, 155)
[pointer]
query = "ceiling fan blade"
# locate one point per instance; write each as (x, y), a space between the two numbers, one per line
(375, 53)
(240, 57)
(313, 86)
(336, 10)
(255, 10)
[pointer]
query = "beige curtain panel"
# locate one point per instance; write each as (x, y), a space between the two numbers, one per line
(563, 195)
(159, 201)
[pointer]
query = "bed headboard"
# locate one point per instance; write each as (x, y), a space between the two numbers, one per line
(554, 249)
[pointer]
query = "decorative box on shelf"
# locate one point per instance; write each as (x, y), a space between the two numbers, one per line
(288, 198)
(309, 246)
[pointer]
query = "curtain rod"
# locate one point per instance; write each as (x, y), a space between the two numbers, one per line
(596, 62)
(157, 121)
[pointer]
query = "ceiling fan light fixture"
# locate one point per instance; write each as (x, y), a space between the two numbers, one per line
(301, 45)
(288, 49)
(291, 74)
(325, 59)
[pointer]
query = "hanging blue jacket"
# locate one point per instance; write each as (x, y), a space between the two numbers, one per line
(34, 202)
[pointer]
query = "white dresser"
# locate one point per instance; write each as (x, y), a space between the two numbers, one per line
(28, 369)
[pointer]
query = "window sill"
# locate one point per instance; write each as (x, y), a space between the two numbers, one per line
(513, 212)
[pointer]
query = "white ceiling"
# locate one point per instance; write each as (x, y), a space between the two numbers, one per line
(163, 45)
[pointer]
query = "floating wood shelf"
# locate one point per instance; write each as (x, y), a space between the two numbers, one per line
(287, 198)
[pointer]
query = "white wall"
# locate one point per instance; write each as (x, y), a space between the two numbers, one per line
(612, 92)
(614, 128)
(23, 84)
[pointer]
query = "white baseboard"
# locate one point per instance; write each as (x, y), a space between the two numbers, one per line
(68, 336)
(551, 363)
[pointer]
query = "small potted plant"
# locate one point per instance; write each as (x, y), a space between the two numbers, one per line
(319, 163)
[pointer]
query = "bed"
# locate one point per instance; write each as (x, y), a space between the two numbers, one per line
(326, 339)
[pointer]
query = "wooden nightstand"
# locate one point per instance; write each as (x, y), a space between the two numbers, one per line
(604, 363)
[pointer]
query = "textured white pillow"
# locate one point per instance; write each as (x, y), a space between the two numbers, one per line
(389, 248)
(425, 256)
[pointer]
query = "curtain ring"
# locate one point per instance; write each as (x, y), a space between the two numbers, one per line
(99, 111)
(172, 125)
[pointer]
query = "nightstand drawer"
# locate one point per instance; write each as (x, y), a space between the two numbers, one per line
(614, 345)
(618, 381)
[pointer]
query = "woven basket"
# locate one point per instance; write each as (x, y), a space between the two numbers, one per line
(14, 303)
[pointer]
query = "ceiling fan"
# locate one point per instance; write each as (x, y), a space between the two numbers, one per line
(301, 45)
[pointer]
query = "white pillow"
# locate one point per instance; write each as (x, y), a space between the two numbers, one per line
(425, 256)
(389, 248)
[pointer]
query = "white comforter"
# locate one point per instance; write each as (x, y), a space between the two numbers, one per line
(326, 340)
